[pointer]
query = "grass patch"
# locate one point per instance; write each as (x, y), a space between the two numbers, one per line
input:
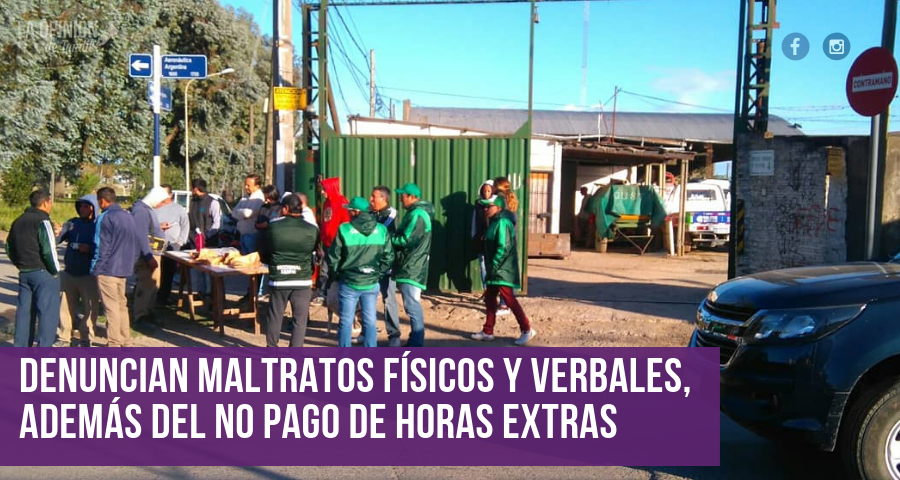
(61, 211)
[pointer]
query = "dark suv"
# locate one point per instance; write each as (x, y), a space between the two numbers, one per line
(813, 354)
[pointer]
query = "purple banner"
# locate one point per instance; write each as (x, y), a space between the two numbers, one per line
(385, 407)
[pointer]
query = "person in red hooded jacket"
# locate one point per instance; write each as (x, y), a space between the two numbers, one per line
(333, 215)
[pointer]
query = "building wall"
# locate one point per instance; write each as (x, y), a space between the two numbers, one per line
(890, 211)
(797, 216)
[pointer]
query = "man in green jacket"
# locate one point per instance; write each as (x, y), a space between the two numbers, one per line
(413, 244)
(31, 246)
(359, 256)
(501, 260)
(287, 247)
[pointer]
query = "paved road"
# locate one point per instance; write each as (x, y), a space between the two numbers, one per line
(743, 456)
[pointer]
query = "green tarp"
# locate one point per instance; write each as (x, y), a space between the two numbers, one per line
(610, 203)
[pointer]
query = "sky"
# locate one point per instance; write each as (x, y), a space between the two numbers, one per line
(674, 50)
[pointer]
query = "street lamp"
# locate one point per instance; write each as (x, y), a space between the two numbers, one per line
(187, 128)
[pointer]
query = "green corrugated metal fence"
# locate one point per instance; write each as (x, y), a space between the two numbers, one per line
(449, 171)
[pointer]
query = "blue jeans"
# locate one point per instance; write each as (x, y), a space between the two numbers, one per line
(349, 299)
(391, 314)
(412, 295)
(248, 243)
(41, 291)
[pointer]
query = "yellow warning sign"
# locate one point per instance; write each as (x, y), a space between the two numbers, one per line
(290, 98)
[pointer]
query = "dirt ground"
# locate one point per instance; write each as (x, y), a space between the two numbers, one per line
(588, 299)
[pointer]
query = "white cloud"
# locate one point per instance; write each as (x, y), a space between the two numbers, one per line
(691, 85)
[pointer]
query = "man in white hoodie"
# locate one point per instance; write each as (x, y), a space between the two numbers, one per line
(246, 212)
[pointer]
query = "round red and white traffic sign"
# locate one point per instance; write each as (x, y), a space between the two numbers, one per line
(872, 82)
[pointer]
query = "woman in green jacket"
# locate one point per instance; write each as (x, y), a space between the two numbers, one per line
(502, 265)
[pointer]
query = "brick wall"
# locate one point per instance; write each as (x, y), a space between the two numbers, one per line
(797, 216)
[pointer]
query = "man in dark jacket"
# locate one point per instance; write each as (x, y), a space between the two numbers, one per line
(359, 256)
(385, 214)
(117, 241)
(205, 215)
(82, 295)
(502, 262)
(287, 247)
(146, 268)
(413, 244)
(31, 246)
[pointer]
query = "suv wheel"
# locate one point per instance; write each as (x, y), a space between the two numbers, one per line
(870, 441)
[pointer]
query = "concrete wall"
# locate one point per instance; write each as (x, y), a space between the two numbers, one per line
(890, 212)
(797, 216)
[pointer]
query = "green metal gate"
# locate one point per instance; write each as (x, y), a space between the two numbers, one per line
(449, 171)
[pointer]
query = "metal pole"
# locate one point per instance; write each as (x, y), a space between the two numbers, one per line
(682, 215)
(157, 89)
(276, 82)
(372, 83)
(738, 128)
(187, 135)
(878, 145)
(615, 101)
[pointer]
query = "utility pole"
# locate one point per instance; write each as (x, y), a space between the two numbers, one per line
(252, 139)
(282, 71)
(372, 83)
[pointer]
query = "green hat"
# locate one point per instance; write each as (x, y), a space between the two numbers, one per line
(410, 189)
(494, 200)
(358, 203)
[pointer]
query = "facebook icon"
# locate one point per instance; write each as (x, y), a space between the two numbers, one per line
(795, 46)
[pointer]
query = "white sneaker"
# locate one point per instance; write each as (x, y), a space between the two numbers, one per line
(526, 337)
(482, 337)
(503, 311)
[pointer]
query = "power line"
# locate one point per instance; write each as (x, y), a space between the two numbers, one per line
(676, 102)
(476, 97)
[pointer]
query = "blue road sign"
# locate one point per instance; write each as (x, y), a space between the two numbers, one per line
(184, 66)
(165, 97)
(140, 65)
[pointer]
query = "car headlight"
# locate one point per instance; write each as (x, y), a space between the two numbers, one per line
(794, 324)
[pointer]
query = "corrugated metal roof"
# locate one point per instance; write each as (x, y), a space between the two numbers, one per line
(711, 127)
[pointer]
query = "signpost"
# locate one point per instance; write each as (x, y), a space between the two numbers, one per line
(184, 66)
(140, 65)
(872, 82)
(157, 67)
(165, 96)
(290, 98)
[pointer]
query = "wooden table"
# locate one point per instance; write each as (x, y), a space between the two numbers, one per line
(217, 276)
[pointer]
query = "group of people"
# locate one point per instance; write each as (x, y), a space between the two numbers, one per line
(104, 246)
(358, 251)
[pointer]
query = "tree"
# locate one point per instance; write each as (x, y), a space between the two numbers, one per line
(67, 100)
(86, 183)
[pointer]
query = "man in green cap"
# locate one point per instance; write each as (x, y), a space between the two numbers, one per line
(359, 256)
(413, 244)
(502, 278)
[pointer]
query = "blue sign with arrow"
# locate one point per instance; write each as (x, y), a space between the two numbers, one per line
(165, 97)
(184, 66)
(140, 65)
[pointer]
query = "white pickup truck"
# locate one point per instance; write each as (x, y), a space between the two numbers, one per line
(708, 213)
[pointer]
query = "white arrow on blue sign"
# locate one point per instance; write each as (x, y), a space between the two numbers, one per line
(140, 65)
(183, 66)
(165, 97)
